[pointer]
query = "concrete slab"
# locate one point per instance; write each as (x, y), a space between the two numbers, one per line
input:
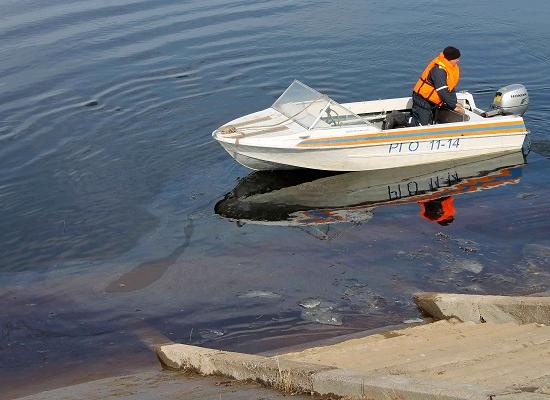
(479, 308)
(279, 373)
(494, 357)
(447, 359)
(303, 377)
(357, 385)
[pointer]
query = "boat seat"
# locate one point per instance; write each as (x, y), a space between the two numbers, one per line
(396, 119)
(444, 116)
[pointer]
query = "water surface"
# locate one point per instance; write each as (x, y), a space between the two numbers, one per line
(109, 177)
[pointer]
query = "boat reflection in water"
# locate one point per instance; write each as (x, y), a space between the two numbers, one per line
(306, 197)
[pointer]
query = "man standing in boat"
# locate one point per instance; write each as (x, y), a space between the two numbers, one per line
(436, 88)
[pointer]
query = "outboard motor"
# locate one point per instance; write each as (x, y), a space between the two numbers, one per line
(510, 100)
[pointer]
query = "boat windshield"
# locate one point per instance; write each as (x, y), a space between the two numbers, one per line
(312, 109)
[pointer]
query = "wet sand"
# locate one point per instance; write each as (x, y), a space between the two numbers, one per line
(151, 384)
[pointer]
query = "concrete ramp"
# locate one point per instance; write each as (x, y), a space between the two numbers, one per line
(496, 358)
(468, 358)
(480, 309)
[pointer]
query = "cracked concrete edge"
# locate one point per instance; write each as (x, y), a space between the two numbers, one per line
(310, 378)
(485, 308)
(281, 374)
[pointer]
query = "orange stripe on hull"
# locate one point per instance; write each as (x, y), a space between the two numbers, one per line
(411, 139)
(423, 129)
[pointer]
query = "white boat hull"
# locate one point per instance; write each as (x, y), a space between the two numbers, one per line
(373, 157)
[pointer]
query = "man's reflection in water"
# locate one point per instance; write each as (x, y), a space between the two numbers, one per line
(440, 210)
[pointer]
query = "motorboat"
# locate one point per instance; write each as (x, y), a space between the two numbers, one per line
(298, 198)
(308, 129)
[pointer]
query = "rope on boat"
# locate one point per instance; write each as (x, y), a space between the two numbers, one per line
(228, 129)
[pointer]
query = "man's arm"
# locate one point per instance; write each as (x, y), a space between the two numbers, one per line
(439, 78)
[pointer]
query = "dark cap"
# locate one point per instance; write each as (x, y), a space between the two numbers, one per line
(451, 53)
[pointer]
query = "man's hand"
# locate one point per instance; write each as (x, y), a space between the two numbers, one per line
(459, 108)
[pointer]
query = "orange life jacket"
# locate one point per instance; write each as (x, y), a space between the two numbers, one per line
(447, 209)
(427, 90)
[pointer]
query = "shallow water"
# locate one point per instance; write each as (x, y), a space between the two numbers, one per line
(109, 177)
